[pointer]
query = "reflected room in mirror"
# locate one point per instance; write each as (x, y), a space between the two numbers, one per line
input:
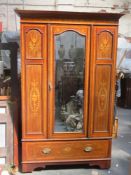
(69, 81)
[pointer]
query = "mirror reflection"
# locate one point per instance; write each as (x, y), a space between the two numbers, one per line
(69, 81)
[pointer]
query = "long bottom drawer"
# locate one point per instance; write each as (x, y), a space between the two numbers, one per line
(65, 150)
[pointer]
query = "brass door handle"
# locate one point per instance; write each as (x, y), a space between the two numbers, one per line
(50, 86)
(88, 149)
(46, 151)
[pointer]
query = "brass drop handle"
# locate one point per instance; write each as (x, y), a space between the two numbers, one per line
(46, 151)
(88, 149)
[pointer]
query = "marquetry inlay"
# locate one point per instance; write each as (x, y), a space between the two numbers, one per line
(67, 149)
(33, 43)
(102, 97)
(34, 97)
(104, 43)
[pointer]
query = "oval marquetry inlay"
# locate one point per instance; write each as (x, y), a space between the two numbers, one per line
(102, 98)
(67, 149)
(34, 97)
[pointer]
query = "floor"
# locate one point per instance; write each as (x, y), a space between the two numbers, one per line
(121, 154)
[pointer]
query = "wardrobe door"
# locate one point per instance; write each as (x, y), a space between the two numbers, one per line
(68, 75)
(34, 81)
(102, 80)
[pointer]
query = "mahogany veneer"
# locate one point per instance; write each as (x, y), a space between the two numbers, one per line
(42, 146)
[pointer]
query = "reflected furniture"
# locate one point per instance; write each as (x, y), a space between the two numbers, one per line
(68, 80)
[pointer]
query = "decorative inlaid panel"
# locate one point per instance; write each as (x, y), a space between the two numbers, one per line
(62, 28)
(104, 45)
(34, 98)
(102, 98)
(102, 94)
(33, 44)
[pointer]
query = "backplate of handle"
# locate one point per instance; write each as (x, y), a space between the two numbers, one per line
(46, 151)
(88, 149)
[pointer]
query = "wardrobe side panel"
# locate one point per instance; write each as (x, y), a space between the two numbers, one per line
(34, 81)
(102, 80)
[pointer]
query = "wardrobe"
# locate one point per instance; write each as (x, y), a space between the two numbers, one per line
(68, 87)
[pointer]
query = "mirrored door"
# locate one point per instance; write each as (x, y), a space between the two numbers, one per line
(68, 81)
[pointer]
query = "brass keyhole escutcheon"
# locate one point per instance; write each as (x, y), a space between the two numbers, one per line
(46, 151)
(88, 149)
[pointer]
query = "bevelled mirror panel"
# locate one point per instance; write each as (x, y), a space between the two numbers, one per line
(69, 81)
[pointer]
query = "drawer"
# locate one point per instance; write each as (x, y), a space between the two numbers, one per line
(65, 150)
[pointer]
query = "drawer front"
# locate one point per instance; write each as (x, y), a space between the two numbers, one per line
(65, 150)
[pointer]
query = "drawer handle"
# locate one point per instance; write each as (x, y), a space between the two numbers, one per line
(88, 149)
(46, 151)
